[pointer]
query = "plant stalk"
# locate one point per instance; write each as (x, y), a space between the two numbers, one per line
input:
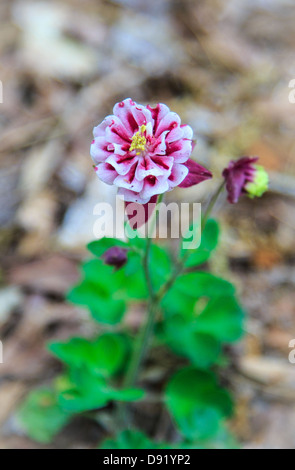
(145, 335)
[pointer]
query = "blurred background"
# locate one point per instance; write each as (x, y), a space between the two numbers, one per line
(225, 67)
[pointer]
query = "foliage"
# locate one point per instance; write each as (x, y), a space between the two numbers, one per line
(200, 314)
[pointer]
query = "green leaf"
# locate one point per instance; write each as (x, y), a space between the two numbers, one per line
(181, 335)
(203, 284)
(160, 265)
(41, 416)
(104, 277)
(209, 242)
(196, 402)
(175, 302)
(109, 311)
(202, 349)
(222, 318)
(104, 356)
(86, 294)
(131, 439)
(105, 291)
(134, 284)
(92, 392)
(103, 309)
(99, 247)
(89, 394)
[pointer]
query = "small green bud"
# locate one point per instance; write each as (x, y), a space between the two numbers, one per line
(259, 185)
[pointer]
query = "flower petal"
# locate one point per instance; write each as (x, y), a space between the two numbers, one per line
(106, 173)
(154, 185)
(142, 115)
(163, 162)
(101, 149)
(187, 131)
(158, 113)
(123, 111)
(180, 150)
(178, 174)
(116, 132)
(147, 167)
(138, 214)
(129, 181)
(196, 174)
(122, 163)
(169, 122)
(236, 175)
(99, 131)
(131, 196)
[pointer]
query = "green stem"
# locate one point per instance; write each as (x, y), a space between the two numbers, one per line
(142, 345)
(180, 266)
(146, 257)
(212, 204)
(145, 335)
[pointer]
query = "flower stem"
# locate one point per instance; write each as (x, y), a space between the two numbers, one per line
(145, 335)
(142, 345)
(180, 266)
(146, 270)
(211, 204)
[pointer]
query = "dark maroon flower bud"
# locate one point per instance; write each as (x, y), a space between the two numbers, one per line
(115, 256)
(243, 176)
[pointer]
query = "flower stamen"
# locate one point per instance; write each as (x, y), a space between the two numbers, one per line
(139, 141)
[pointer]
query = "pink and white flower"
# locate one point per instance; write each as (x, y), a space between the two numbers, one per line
(145, 151)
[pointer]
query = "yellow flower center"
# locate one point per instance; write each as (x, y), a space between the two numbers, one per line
(139, 141)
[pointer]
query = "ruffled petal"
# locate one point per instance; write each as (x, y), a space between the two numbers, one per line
(129, 181)
(122, 164)
(180, 150)
(123, 111)
(158, 113)
(188, 133)
(159, 145)
(99, 131)
(142, 115)
(116, 132)
(147, 167)
(131, 196)
(154, 185)
(101, 149)
(170, 121)
(163, 162)
(106, 173)
(175, 134)
(178, 174)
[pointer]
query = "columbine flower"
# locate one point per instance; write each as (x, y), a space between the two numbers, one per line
(115, 256)
(145, 152)
(243, 176)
